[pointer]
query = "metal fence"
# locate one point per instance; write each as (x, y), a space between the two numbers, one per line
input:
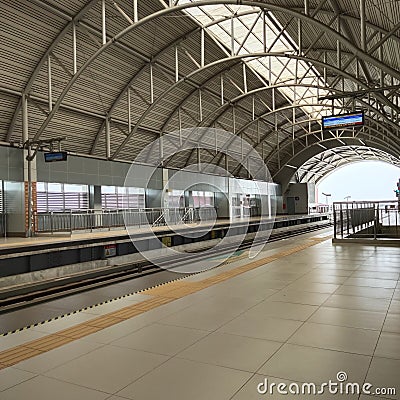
(89, 220)
(3, 224)
(367, 219)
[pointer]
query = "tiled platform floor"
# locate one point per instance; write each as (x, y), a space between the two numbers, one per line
(301, 318)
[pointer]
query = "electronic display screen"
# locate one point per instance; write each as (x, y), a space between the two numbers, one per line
(343, 121)
(55, 156)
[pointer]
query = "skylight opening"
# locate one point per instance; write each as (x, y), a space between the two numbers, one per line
(248, 33)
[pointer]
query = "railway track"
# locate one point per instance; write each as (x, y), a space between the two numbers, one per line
(27, 295)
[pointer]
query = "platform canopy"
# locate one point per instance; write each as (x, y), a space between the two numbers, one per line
(113, 76)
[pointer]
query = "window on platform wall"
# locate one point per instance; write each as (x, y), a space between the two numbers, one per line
(61, 197)
(1, 197)
(176, 199)
(202, 199)
(116, 198)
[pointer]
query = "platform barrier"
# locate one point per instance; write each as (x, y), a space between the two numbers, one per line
(367, 219)
(89, 220)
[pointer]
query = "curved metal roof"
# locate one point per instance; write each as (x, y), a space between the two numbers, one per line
(112, 77)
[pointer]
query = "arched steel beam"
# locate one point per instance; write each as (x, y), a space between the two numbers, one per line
(47, 53)
(326, 172)
(272, 7)
(321, 64)
(289, 142)
(231, 59)
(324, 65)
(378, 158)
(284, 175)
(154, 59)
(392, 144)
(375, 142)
(389, 133)
(351, 19)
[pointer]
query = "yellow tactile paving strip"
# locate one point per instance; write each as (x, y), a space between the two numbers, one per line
(162, 294)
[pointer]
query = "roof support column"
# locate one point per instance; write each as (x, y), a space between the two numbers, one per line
(363, 26)
(103, 21)
(151, 84)
(108, 141)
(129, 110)
(50, 90)
(135, 11)
(74, 65)
(25, 133)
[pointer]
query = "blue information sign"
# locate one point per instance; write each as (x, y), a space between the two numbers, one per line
(343, 121)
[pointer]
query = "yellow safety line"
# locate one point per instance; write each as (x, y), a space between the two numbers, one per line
(162, 294)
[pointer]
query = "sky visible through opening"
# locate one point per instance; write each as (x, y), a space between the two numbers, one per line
(366, 180)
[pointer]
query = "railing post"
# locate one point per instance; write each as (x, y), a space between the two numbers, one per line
(51, 222)
(70, 221)
(334, 222)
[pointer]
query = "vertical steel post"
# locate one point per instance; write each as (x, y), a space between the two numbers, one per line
(135, 11)
(176, 64)
(129, 110)
(232, 35)
(50, 89)
(200, 106)
(244, 78)
(264, 20)
(151, 84)
(108, 141)
(74, 64)
(222, 89)
(103, 21)
(363, 26)
(202, 48)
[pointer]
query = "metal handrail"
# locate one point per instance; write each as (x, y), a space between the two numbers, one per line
(367, 219)
(91, 219)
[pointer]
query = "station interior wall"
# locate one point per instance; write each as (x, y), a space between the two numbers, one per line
(98, 172)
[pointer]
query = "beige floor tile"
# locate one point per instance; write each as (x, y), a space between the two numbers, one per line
(388, 345)
(370, 282)
(282, 310)
(316, 276)
(43, 388)
(395, 307)
(179, 379)
(385, 373)
(314, 287)
(262, 328)
(363, 291)
(300, 297)
(108, 369)
(351, 340)
(307, 364)
(18, 338)
(161, 339)
(52, 359)
(349, 318)
(237, 352)
(392, 323)
(357, 303)
(189, 318)
(11, 376)
(376, 275)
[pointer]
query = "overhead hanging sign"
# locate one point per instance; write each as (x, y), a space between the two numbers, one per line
(343, 121)
(55, 156)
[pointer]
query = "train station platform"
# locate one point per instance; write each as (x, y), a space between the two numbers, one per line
(25, 255)
(302, 311)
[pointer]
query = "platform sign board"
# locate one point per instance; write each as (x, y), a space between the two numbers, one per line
(55, 156)
(343, 121)
(110, 250)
